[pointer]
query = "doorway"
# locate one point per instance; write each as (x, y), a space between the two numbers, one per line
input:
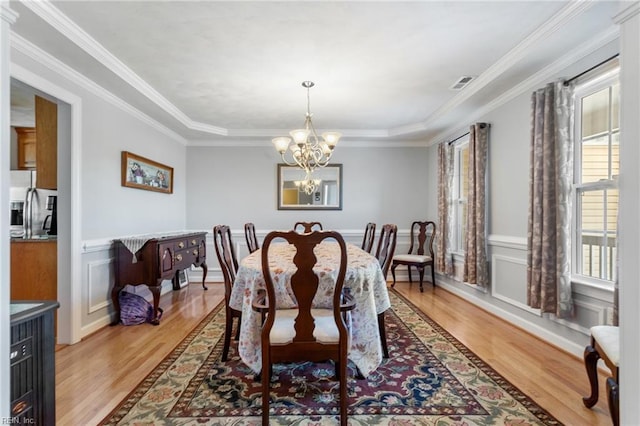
(42, 244)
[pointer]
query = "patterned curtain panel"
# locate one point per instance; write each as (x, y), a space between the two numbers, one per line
(444, 257)
(475, 255)
(550, 178)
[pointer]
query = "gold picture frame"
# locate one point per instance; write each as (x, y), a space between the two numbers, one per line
(142, 173)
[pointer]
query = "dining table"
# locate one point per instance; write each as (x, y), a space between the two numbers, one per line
(364, 280)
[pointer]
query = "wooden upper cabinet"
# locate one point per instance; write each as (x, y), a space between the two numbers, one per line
(26, 148)
(46, 144)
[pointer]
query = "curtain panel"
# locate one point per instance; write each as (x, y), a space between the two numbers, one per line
(444, 243)
(549, 221)
(475, 254)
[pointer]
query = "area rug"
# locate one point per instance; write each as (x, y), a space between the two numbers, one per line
(430, 378)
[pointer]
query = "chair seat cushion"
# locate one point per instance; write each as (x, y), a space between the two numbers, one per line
(412, 258)
(608, 338)
(283, 330)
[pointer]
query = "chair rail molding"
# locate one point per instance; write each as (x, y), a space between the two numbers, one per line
(508, 241)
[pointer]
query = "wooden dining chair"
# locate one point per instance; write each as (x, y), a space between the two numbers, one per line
(384, 254)
(308, 226)
(369, 237)
(250, 237)
(305, 334)
(605, 345)
(229, 265)
(422, 234)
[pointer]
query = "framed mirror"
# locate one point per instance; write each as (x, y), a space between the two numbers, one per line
(327, 194)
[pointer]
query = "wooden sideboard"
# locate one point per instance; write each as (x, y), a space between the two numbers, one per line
(159, 259)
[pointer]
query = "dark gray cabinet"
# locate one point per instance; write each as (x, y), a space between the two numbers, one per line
(32, 359)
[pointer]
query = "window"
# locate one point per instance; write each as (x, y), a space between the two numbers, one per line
(460, 191)
(596, 150)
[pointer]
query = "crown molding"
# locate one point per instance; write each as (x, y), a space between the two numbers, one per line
(257, 143)
(560, 19)
(32, 51)
(541, 77)
(627, 13)
(9, 15)
(58, 20)
(346, 133)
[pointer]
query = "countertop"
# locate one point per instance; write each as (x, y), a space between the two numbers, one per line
(25, 309)
(35, 239)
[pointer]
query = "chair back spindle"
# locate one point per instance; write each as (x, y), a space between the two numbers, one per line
(250, 237)
(369, 237)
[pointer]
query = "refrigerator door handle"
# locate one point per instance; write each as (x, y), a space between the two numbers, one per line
(28, 216)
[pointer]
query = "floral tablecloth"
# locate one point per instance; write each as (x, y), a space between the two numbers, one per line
(364, 278)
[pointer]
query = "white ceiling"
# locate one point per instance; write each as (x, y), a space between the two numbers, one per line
(232, 71)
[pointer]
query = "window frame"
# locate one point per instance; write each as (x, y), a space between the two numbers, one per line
(602, 80)
(457, 201)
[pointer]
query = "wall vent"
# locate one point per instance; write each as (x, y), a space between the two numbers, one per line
(461, 82)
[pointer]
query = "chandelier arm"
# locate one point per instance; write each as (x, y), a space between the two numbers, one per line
(284, 159)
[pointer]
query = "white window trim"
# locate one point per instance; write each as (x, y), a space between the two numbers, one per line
(456, 201)
(589, 87)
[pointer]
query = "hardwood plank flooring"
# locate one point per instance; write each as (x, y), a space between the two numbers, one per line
(93, 376)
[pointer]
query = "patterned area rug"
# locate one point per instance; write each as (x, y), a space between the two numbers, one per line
(430, 378)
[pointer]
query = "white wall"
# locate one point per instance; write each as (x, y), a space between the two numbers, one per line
(237, 185)
(109, 209)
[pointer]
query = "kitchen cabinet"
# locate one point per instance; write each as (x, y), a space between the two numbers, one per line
(46, 143)
(26, 148)
(34, 269)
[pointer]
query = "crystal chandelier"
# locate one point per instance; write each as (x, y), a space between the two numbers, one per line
(308, 151)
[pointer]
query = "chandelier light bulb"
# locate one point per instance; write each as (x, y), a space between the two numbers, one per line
(331, 138)
(300, 136)
(281, 143)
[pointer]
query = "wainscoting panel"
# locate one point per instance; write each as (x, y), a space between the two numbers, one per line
(99, 283)
(509, 281)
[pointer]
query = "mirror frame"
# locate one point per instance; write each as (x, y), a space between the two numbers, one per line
(281, 206)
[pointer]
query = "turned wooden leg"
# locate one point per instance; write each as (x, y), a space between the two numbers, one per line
(613, 394)
(155, 291)
(433, 277)
(383, 335)
(238, 329)
(115, 294)
(204, 274)
(591, 357)
(343, 393)
(421, 274)
(393, 274)
(227, 335)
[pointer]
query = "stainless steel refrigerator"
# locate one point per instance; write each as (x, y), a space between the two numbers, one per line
(33, 210)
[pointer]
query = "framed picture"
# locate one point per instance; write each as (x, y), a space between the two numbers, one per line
(142, 173)
(181, 280)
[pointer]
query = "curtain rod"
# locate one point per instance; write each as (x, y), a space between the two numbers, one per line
(566, 83)
(458, 138)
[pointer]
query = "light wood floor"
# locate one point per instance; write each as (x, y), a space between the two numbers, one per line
(93, 376)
